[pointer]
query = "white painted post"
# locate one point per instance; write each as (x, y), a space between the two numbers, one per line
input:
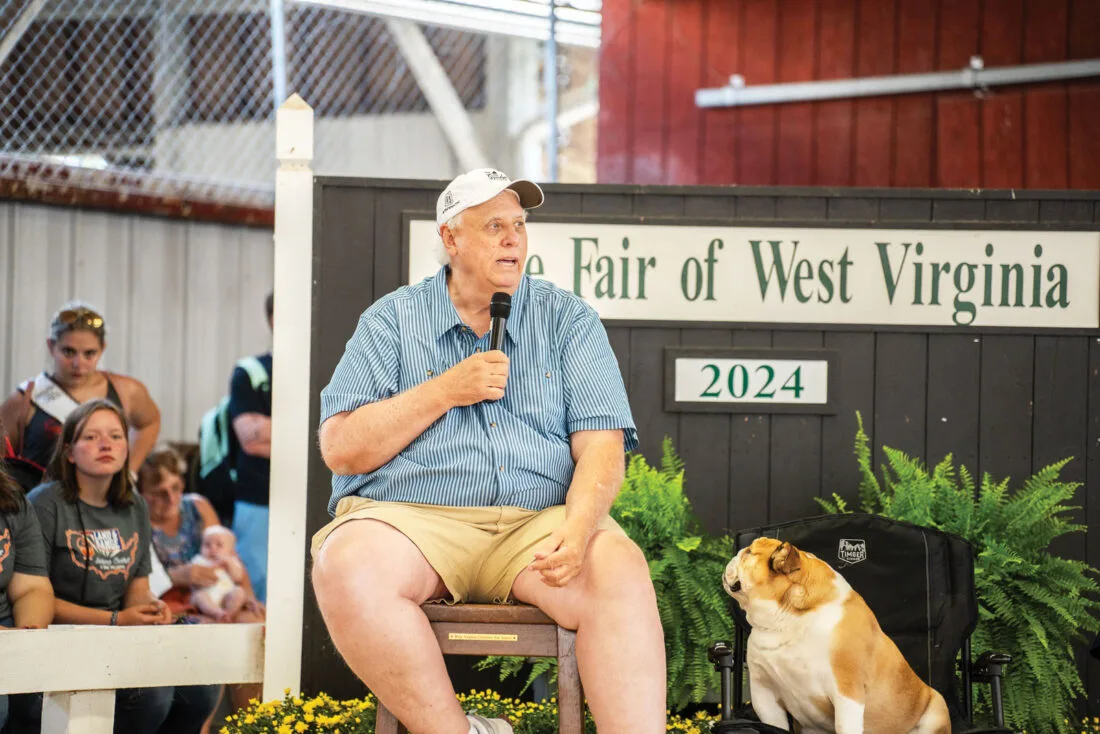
(79, 712)
(292, 431)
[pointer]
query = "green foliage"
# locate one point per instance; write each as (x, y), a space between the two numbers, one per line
(685, 565)
(1034, 605)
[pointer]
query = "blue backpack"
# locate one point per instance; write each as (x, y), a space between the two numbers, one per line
(215, 475)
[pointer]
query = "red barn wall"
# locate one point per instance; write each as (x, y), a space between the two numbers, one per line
(656, 53)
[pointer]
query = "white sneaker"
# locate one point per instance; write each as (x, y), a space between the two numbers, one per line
(481, 725)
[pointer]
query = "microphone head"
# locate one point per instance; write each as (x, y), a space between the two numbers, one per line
(500, 306)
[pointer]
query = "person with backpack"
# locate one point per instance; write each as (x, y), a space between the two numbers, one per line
(36, 410)
(214, 474)
(249, 411)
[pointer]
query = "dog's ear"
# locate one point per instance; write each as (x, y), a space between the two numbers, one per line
(785, 559)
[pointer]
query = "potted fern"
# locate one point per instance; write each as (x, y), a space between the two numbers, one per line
(685, 565)
(1032, 604)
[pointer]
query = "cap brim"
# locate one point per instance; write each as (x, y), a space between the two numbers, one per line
(530, 195)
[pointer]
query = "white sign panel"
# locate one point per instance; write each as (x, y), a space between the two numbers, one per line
(769, 381)
(933, 277)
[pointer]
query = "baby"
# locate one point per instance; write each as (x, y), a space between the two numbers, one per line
(225, 597)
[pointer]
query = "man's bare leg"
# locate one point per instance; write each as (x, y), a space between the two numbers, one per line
(620, 641)
(370, 581)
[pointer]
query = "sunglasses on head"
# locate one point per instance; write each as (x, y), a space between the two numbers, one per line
(84, 316)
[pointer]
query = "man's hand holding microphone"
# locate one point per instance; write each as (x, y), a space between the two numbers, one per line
(484, 375)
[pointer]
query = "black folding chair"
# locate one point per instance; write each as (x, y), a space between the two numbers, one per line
(918, 581)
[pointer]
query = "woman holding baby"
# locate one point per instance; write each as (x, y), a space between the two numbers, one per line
(97, 542)
(198, 553)
(210, 582)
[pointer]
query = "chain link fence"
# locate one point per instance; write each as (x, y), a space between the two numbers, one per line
(171, 96)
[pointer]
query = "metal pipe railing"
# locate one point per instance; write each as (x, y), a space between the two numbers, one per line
(974, 77)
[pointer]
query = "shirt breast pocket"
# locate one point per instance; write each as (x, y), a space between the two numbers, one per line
(536, 395)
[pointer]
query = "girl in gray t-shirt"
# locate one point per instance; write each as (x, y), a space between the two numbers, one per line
(26, 599)
(97, 534)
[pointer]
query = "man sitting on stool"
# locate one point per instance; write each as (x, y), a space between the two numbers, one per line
(483, 475)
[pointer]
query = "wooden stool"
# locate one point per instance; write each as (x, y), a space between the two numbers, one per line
(506, 629)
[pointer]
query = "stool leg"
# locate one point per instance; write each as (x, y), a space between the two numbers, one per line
(570, 695)
(387, 723)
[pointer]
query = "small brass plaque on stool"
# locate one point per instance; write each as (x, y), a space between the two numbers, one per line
(481, 637)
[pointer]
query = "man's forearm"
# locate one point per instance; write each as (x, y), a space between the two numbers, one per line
(597, 480)
(368, 437)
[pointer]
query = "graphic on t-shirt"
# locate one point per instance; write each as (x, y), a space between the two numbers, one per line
(5, 546)
(103, 551)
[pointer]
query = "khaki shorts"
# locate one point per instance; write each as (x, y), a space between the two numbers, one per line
(477, 551)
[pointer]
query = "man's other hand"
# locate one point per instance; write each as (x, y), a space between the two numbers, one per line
(558, 560)
(481, 376)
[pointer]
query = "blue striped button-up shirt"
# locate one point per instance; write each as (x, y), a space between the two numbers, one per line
(563, 377)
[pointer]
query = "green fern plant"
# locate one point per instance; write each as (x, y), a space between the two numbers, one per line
(1033, 604)
(685, 565)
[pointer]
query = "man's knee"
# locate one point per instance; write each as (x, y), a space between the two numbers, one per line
(338, 559)
(618, 566)
(370, 562)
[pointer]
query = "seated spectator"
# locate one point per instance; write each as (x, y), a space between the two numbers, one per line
(225, 598)
(35, 410)
(178, 523)
(97, 543)
(26, 597)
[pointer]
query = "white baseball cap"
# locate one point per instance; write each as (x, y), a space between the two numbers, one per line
(477, 187)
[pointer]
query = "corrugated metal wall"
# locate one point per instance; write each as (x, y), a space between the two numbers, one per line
(656, 53)
(182, 300)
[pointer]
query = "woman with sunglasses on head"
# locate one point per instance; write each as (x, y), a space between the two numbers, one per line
(26, 597)
(34, 412)
(98, 541)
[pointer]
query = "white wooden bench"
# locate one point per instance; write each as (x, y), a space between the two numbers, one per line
(79, 668)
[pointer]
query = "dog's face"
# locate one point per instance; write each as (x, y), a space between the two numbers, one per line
(765, 571)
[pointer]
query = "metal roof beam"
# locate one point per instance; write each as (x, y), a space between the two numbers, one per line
(449, 111)
(504, 20)
(19, 27)
(517, 18)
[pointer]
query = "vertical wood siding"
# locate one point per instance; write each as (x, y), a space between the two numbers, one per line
(656, 53)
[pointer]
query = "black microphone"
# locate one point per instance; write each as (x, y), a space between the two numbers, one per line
(499, 308)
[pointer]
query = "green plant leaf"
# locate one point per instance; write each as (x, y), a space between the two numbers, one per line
(687, 545)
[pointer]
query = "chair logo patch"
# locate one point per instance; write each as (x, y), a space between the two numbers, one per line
(851, 551)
